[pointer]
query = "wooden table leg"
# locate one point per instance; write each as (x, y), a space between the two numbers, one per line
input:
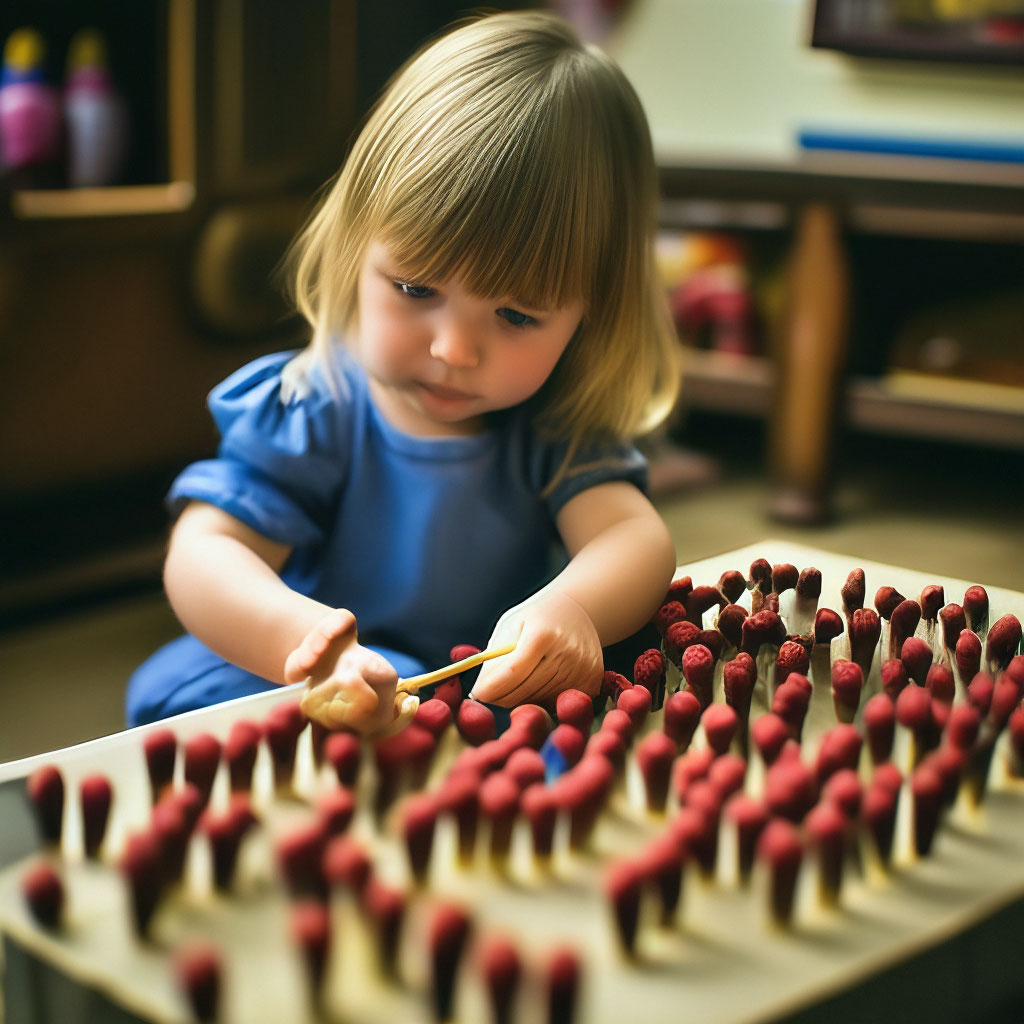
(809, 365)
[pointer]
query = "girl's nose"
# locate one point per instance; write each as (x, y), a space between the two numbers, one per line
(454, 345)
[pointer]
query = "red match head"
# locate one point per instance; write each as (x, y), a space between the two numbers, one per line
(240, 751)
(732, 584)
(976, 607)
(727, 774)
(45, 787)
(886, 600)
(1003, 640)
(784, 577)
(954, 622)
(344, 752)
(880, 725)
(336, 808)
(96, 796)
(669, 613)
(763, 628)
(475, 722)
(844, 789)
(202, 756)
(199, 969)
(914, 708)
(44, 893)
(853, 592)
(535, 722)
(933, 597)
(300, 855)
(793, 657)
(916, 656)
(160, 748)
(720, 723)
(808, 585)
(730, 623)
(979, 692)
(636, 702)
(967, 654)
(501, 967)
(655, 755)
(434, 715)
(847, 684)
(681, 715)
(894, 678)
(769, 732)
(575, 708)
(346, 863)
(649, 670)
(827, 625)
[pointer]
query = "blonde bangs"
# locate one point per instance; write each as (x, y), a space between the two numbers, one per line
(488, 183)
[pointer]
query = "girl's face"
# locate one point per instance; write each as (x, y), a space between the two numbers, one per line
(438, 357)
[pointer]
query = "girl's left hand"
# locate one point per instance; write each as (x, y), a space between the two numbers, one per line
(557, 648)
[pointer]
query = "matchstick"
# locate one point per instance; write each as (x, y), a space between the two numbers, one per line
(413, 683)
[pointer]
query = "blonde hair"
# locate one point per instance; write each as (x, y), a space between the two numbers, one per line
(510, 152)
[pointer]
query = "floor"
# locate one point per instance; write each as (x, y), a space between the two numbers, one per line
(952, 512)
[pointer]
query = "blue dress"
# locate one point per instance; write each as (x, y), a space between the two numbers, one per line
(427, 540)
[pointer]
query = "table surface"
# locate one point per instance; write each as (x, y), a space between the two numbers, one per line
(723, 957)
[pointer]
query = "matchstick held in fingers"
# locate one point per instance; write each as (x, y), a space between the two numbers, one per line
(413, 683)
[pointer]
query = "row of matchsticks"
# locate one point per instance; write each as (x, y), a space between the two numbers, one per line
(950, 680)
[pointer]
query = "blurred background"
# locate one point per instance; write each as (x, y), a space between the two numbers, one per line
(842, 227)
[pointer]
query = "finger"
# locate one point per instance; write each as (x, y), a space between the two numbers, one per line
(500, 678)
(405, 708)
(352, 704)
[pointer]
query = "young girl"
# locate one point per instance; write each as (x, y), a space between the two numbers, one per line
(447, 462)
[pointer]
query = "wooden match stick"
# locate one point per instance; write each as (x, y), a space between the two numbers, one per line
(413, 683)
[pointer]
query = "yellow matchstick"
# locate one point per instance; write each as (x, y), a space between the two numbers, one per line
(413, 683)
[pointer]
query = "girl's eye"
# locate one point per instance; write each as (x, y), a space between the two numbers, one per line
(514, 317)
(414, 291)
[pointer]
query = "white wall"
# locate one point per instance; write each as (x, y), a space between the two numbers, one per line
(735, 80)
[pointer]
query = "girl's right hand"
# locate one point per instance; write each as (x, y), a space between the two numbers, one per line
(348, 685)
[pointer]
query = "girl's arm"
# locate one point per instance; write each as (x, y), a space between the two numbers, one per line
(222, 579)
(621, 563)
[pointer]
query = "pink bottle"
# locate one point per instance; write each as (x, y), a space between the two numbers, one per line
(30, 115)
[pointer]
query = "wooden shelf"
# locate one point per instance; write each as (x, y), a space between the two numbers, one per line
(902, 404)
(175, 194)
(127, 200)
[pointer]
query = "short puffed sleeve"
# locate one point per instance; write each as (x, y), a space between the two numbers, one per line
(281, 463)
